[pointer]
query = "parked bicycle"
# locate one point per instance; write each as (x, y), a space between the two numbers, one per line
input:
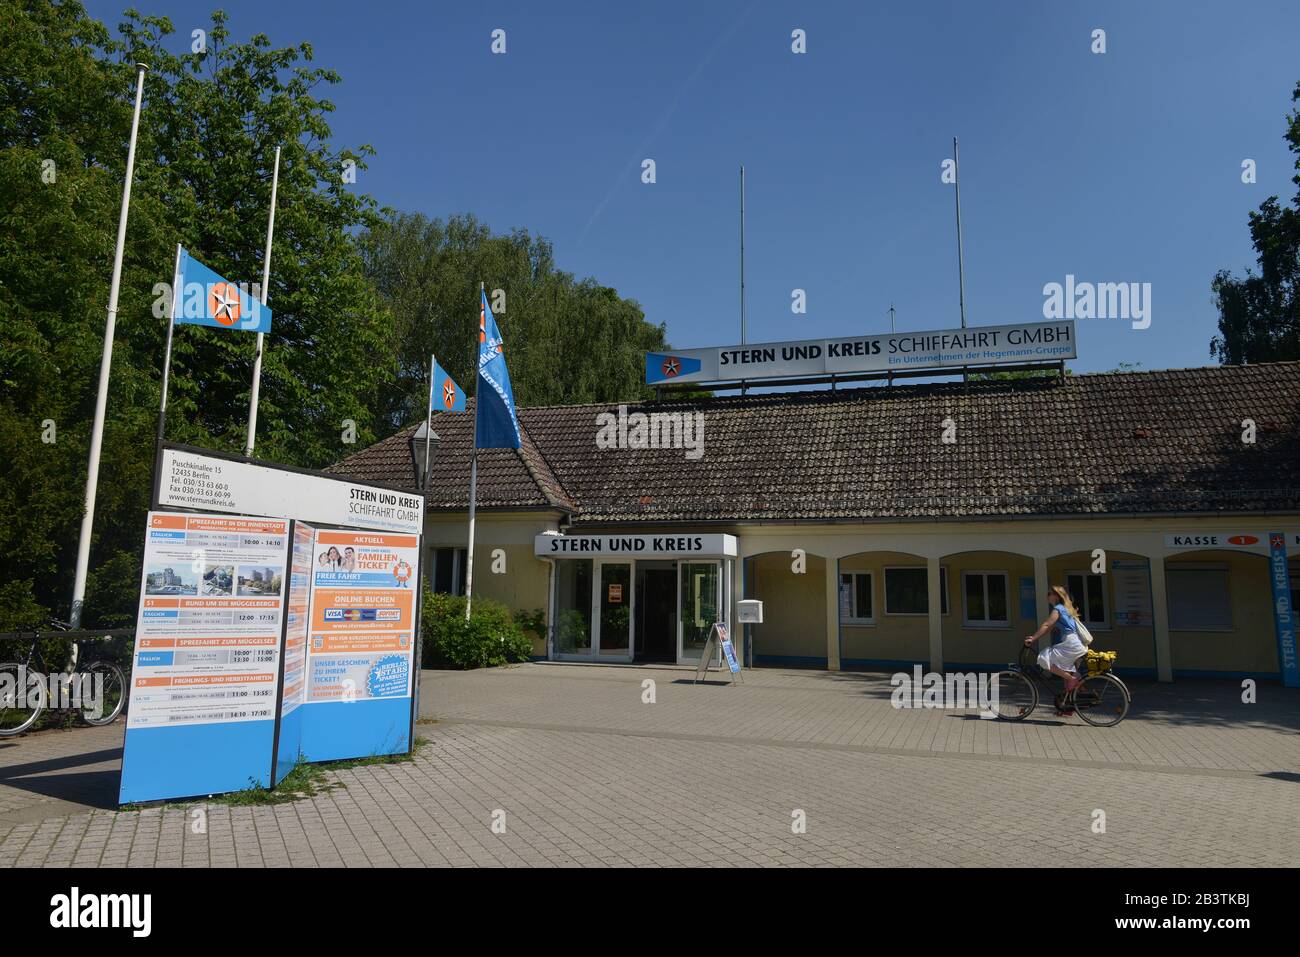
(96, 690)
(1102, 699)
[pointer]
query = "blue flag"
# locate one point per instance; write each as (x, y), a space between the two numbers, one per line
(447, 395)
(205, 299)
(496, 426)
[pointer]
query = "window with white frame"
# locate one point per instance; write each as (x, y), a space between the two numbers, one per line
(1089, 594)
(907, 590)
(1199, 598)
(856, 606)
(984, 599)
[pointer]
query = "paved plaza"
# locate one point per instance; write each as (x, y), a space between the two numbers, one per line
(572, 765)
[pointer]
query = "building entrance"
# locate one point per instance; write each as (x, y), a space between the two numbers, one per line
(656, 610)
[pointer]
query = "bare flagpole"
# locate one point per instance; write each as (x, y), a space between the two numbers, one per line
(105, 368)
(961, 268)
(473, 476)
(743, 387)
(266, 281)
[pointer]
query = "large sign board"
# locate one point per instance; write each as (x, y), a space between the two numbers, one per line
(199, 480)
(361, 631)
(889, 352)
(205, 680)
(640, 545)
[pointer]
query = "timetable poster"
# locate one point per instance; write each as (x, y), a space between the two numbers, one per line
(297, 612)
(203, 703)
(365, 588)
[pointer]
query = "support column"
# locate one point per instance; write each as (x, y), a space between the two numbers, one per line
(1160, 616)
(833, 614)
(934, 604)
(1041, 584)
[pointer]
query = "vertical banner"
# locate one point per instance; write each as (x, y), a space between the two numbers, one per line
(203, 700)
(1283, 613)
(362, 634)
(297, 616)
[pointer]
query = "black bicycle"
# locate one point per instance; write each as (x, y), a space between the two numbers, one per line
(1101, 699)
(96, 690)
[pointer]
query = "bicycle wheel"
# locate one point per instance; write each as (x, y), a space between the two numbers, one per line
(1017, 696)
(111, 695)
(1102, 700)
(21, 700)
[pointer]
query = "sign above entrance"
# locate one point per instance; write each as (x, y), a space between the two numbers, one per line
(890, 352)
(667, 545)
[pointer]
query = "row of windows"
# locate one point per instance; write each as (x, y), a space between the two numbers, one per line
(1199, 597)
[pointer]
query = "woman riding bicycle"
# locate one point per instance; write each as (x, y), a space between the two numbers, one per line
(1067, 647)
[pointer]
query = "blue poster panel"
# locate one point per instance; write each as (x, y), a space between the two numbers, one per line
(1283, 613)
(204, 684)
(360, 651)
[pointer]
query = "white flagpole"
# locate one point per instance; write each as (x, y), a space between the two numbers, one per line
(428, 422)
(105, 368)
(473, 480)
(167, 351)
(266, 281)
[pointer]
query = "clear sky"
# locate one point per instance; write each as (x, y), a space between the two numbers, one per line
(1116, 167)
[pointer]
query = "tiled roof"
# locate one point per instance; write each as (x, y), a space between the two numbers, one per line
(1107, 443)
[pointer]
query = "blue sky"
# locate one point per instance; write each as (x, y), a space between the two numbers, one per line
(1115, 167)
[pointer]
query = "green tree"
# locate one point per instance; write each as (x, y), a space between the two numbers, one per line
(209, 127)
(1259, 314)
(567, 340)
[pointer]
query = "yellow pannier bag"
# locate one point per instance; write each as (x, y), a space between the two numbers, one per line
(1100, 662)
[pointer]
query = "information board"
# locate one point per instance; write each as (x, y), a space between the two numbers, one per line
(203, 700)
(1132, 583)
(362, 632)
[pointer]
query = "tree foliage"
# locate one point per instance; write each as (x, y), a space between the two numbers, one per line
(1259, 314)
(359, 299)
(567, 340)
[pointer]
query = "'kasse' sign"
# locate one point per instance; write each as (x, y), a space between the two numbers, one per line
(895, 351)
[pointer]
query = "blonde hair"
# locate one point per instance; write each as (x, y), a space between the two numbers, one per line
(1065, 599)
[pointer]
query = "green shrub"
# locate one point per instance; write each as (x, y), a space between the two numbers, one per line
(491, 637)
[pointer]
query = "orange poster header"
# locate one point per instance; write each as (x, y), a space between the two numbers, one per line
(371, 539)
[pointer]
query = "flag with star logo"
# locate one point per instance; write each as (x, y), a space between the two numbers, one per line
(496, 426)
(207, 299)
(447, 395)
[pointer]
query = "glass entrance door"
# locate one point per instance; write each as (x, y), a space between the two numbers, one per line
(613, 611)
(699, 596)
(573, 599)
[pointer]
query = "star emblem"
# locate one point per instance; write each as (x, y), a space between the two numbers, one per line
(671, 366)
(223, 303)
(448, 394)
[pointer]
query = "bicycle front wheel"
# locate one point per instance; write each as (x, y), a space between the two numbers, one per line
(21, 699)
(1102, 700)
(103, 693)
(1017, 696)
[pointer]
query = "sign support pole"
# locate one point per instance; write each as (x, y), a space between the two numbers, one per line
(105, 368)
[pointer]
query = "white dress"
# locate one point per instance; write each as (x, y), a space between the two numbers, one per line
(1069, 649)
